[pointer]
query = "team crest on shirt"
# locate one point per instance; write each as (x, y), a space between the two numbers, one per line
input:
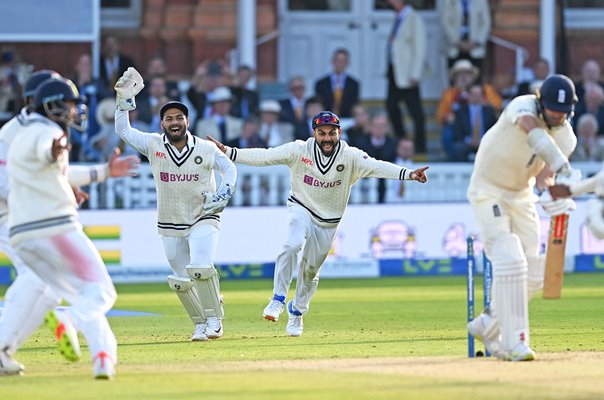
(198, 160)
(340, 168)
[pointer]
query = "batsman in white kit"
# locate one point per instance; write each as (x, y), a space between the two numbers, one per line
(518, 157)
(188, 202)
(322, 170)
(43, 224)
(28, 298)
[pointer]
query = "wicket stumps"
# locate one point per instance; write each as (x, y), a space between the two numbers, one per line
(486, 287)
(470, 286)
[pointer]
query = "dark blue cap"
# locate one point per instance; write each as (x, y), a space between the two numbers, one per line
(325, 118)
(173, 104)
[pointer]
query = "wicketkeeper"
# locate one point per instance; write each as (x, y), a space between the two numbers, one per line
(188, 202)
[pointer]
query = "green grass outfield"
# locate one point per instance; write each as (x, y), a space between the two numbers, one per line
(389, 338)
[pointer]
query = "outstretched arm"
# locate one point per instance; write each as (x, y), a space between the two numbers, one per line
(419, 175)
(369, 167)
(117, 166)
(218, 144)
(577, 188)
(280, 155)
(123, 166)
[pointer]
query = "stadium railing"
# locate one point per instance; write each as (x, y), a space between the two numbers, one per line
(269, 186)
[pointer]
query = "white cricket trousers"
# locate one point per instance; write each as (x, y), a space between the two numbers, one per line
(22, 315)
(198, 248)
(315, 242)
(498, 214)
(73, 268)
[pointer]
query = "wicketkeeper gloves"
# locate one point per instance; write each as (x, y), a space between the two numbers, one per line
(216, 202)
(127, 87)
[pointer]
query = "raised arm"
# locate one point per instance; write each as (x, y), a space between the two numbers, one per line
(126, 88)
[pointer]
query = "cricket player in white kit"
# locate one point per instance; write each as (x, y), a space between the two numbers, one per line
(43, 224)
(188, 203)
(323, 170)
(24, 313)
(529, 144)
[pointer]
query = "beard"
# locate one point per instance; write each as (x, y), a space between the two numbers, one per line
(175, 136)
(328, 153)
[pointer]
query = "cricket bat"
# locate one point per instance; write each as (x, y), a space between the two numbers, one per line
(554, 258)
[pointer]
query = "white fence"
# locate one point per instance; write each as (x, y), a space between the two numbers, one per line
(269, 186)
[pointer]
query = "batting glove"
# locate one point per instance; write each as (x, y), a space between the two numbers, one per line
(555, 207)
(216, 202)
(127, 87)
(571, 176)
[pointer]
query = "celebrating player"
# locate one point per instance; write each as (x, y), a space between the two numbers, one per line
(322, 169)
(22, 314)
(188, 203)
(529, 144)
(44, 229)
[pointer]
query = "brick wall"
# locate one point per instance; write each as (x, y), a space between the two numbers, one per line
(186, 32)
(189, 31)
(518, 22)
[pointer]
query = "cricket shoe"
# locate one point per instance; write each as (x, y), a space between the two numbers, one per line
(103, 366)
(521, 352)
(199, 334)
(8, 365)
(61, 326)
(275, 307)
(484, 328)
(295, 325)
(213, 328)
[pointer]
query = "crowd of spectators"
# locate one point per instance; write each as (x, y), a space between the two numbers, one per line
(226, 104)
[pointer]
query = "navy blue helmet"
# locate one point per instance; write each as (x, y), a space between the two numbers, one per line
(557, 93)
(35, 80)
(51, 99)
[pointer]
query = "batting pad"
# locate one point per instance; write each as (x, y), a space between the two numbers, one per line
(187, 294)
(510, 278)
(208, 288)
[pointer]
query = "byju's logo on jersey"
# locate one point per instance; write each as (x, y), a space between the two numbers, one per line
(168, 177)
(309, 180)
